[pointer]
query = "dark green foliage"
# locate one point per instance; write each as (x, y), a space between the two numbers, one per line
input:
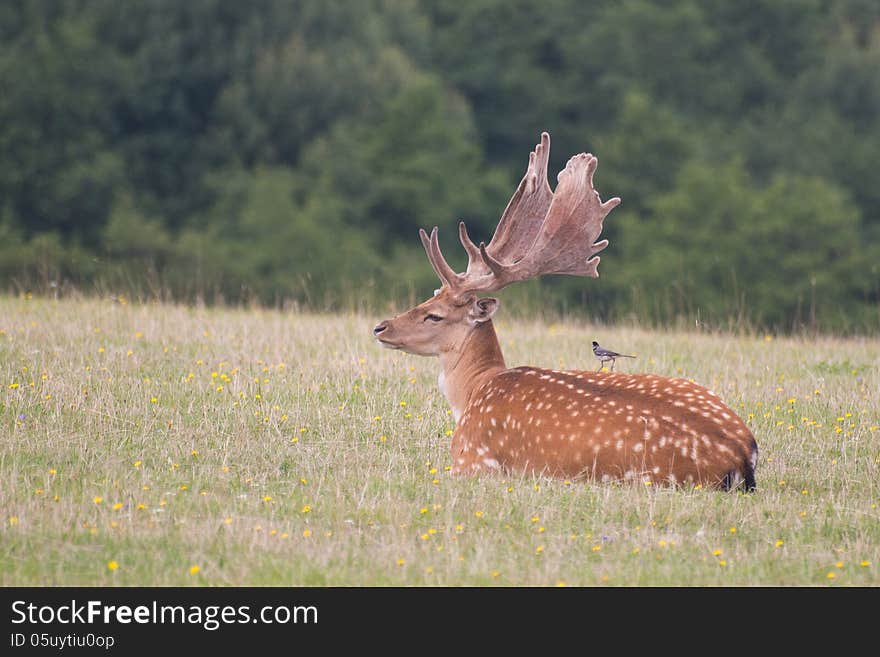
(278, 150)
(783, 254)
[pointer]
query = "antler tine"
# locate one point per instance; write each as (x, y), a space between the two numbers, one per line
(538, 160)
(542, 153)
(521, 221)
(471, 248)
(610, 204)
(447, 274)
(476, 267)
(494, 266)
(426, 242)
(438, 263)
(476, 264)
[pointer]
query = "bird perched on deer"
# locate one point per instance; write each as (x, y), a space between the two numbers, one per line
(600, 425)
(605, 355)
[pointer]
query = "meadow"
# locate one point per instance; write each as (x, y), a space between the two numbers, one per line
(148, 444)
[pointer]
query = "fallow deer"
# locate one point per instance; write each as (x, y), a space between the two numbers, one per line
(601, 425)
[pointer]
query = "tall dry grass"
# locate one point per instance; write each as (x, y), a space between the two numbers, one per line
(166, 445)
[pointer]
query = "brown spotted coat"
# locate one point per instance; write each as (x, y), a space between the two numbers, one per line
(603, 425)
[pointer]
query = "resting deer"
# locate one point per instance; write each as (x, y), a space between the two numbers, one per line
(601, 425)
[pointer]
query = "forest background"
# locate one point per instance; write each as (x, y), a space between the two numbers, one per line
(278, 152)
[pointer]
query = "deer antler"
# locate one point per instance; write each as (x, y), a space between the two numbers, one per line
(539, 233)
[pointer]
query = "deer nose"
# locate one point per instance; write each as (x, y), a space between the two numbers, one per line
(381, 326)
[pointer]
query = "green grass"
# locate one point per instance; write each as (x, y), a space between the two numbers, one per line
(270, 448)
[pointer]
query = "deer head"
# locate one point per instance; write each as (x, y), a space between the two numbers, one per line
(539, 233)
(439, 325)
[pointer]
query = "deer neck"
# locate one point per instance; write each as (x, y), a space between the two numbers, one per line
(467, 368)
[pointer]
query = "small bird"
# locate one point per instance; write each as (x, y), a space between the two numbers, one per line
(604, 355)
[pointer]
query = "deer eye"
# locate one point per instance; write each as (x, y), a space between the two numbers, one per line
(433, 318)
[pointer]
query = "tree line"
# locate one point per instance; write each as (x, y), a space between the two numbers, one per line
(280, 151)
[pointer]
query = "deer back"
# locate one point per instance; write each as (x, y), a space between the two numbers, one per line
(603, 425)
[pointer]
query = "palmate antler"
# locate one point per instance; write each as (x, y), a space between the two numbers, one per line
(539, 233)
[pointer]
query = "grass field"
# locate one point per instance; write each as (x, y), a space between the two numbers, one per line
(164, 445)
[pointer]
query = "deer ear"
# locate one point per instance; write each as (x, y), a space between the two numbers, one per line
(483, 309)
